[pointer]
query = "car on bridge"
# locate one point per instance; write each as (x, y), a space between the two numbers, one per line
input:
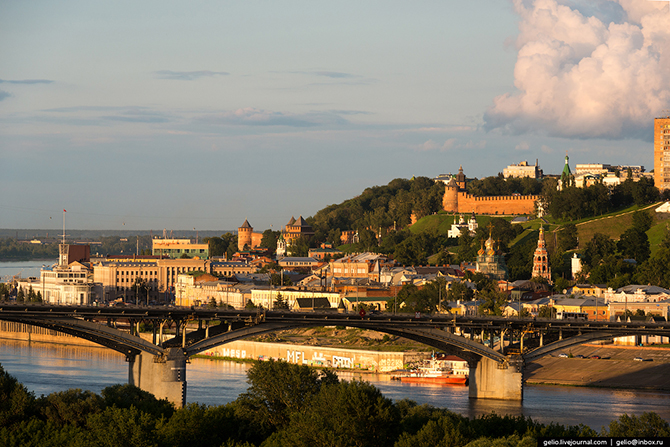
(563, 355)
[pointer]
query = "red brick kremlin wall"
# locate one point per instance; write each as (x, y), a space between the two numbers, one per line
(462, 202)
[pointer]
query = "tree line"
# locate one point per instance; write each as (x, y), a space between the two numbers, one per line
(285, 405)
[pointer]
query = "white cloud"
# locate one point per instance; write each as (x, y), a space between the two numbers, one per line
(600, 73)
(523, 146)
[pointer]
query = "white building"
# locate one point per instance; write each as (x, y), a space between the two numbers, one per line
(522, 169)
(62, 284)
(456, 228)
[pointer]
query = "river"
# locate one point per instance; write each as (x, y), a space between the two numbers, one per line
(46, 368)
(24, 269)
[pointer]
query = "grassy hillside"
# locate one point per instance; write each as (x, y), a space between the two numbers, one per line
(613, 225)
(440, 222)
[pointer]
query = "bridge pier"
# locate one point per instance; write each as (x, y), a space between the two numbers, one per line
(491, 380)
(164, 376)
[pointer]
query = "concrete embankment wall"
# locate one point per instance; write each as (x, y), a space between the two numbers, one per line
(26, 332)
(318, 356)
(299, 354)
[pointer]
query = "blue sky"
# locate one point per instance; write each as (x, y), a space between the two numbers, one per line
(179, 115)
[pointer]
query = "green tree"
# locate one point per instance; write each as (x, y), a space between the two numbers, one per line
(567, 237)
(642, 220)
(269, 239)
(71, 407)
(277, 279)
(299, 247)
(277, 389)
(280, 302)
(493, 302)
(646, 425)
(634, 244)
(597, 249)
(121, 426)
(344, 414)
(126, 396)
(458, 290)
(198, 425)
(16, 402)
(546, 312)
(20, 295)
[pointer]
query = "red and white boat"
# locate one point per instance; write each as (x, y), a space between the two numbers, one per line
(438, 372)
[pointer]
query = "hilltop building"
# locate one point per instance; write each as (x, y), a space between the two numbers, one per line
(457, 200)
(293, 230)
(541, 266)
(566, 179)
(523, 169)
(662, 153)
(246, 238)
(456, 228)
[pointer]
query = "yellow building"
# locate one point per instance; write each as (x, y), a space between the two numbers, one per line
(115, 279)
(594, 308)
(191, 292)
(662, 153)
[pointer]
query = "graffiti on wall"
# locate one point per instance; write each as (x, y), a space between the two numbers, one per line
(343, 362)
(295, 357)
(234, 353)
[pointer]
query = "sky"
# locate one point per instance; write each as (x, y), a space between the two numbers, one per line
(180, 115)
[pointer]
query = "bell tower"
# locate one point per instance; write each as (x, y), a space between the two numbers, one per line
(541, 259)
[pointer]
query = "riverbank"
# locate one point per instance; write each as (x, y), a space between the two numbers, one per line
(616, 368)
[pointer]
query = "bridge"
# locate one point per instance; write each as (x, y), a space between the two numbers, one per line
(160, 367)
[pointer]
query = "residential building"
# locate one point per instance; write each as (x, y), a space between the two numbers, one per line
(595, 308)
(652, 309)
(662, 153)
(266, 297)
(363, 265)
(325, 250)
(231, 268)
(176, 248)
(637, 293)
(292, 263)
(192, 291)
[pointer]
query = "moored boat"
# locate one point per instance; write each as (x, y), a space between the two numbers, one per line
(436, 372)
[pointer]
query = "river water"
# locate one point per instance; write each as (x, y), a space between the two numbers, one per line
(24, 269)
(46, 368)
